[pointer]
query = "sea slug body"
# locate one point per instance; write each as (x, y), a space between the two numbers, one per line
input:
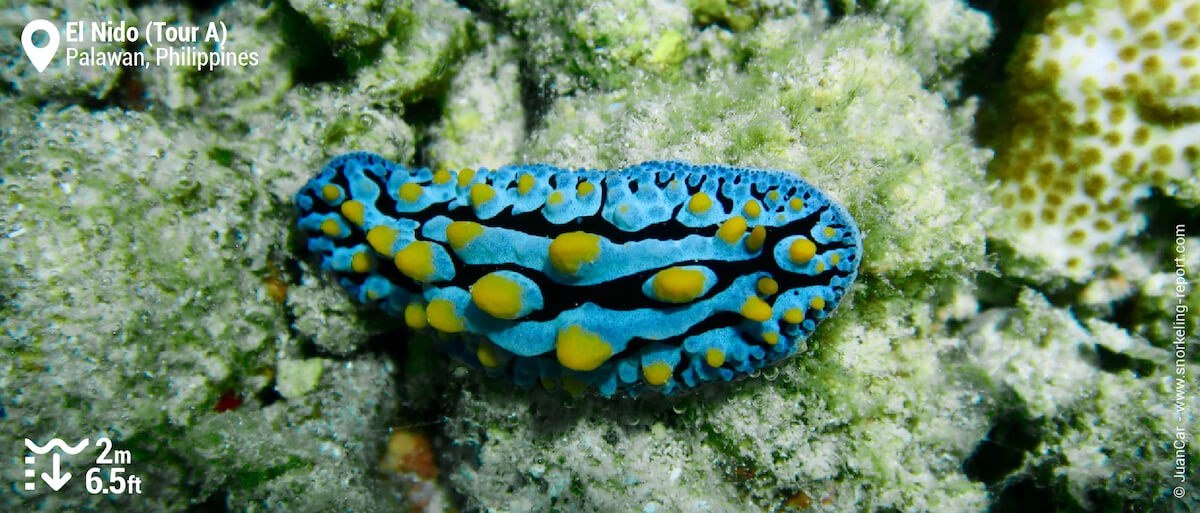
(656, 277)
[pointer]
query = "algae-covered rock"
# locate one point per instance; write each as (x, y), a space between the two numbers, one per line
(576, 45)
(263, 31)
(144, 276)
(938, 37)
(483, 122)
(63, 77)
(295, 378)
(153, 291)
(120, 271)
(418, 59)
(1079, 405)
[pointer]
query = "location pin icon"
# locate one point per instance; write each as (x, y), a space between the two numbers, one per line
(40, 57)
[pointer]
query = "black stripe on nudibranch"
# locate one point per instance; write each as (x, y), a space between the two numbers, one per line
(659, 276)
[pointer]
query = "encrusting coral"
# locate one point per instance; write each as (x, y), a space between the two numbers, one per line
(1106, 108)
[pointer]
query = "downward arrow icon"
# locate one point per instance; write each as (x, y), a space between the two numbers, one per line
(57, 481)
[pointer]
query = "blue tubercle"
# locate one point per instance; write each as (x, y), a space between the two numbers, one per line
(656, 277)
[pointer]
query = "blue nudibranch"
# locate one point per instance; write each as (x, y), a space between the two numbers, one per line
(659, 276)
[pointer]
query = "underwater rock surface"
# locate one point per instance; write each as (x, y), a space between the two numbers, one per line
(153, 288)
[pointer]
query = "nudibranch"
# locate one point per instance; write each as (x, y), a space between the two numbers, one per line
(656, 277)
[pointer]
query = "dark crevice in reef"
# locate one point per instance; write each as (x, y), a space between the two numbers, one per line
(537, 87)
(312, 58)
(130, 93)
(840, 9)
(1115, 362)
(537, 92)
(1126, 312)
(1002, 291)
(394, 343)
(215, 503)
(1026, 496)
(268, 395)
(421, 116)
(486, 12)
(1003, 450)
(1037, 489)
(1163, 214)
(985, 74)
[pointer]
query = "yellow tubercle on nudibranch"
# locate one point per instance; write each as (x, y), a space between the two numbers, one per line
(796, 204)
(555, 199)
(573, 386)
(732, 229)
(414, 316)
(331, 227)
(569, 251)
(714, 357)
(362, 262)
(442, 317)
(829, 232)
(382, 239)
(767, 286)
(465, 176)
(331, 193)
(802, 250)
(677, 284)
(793, 316)
(481, 193)
(411, 192)
(770, 337)
(656, 373)
(461, 233)
(817, 303)
(584, 188)
(752, 209)
(699, 203)
(441, 177)
(487, 355)
(581, 350)
(353, 210)
(498, 296)
(756, 309)
(416, 260)
(757, 237)
(525, 184)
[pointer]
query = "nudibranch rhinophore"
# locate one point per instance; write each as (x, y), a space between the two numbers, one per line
(655, 277)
